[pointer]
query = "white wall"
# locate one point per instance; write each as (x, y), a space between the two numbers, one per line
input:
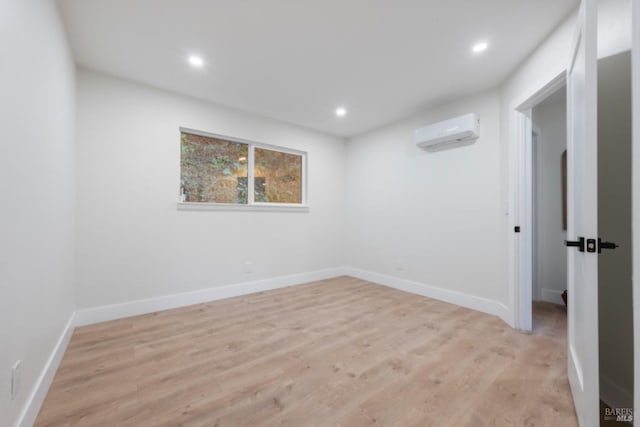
(614, 27)
(133, 243)
(432, 218)
(550, 267)
(541, 67)
(443, 219)
(400, 225)
(38, 192)
(545, 64)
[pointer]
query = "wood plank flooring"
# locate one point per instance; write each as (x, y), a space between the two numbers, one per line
(340, 352)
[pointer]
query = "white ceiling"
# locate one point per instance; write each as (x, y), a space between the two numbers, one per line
(297, 60)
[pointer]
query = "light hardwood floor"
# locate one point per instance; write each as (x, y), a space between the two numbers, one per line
(340, 352)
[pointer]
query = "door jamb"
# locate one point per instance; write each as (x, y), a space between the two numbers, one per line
(522, 201)
(523, 244)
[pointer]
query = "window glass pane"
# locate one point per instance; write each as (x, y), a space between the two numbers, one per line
(213, 170)
(278, 176)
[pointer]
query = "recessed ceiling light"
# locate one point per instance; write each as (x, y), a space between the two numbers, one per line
(196, 61)
(480, 47)
(341, 112)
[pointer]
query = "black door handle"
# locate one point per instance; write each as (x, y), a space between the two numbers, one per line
(576, 243)
(605, 245)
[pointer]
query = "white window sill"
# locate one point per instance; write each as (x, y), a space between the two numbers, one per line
(266, 207)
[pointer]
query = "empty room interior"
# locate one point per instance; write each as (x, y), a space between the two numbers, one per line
(321, 213)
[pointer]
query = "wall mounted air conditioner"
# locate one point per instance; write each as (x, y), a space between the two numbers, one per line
(455, 132)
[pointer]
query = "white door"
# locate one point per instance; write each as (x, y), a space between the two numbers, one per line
(582, 162)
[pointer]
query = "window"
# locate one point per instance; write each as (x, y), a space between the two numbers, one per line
(278, 176)
(217, 170)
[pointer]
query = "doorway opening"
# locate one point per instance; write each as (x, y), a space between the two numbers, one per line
(549, 185)
(543, 257)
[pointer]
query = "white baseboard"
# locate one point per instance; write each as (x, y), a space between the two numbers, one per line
(614, 395)
(116, 311)
(552, 295)
(32, 406)
(104, 313)
(133, 308)
(458, 298)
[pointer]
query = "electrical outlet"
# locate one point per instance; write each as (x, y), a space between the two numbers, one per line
(248, 267)
(16, 376)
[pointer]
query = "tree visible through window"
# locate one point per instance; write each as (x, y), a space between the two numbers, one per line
(278, 176)
(218, 170)
(211, 168)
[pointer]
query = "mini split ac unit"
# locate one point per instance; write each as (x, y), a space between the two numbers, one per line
(455, 132)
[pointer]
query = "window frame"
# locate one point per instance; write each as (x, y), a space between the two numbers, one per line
(251, 204)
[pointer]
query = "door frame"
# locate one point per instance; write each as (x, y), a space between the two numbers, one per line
(522, 254)
(522, 202)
